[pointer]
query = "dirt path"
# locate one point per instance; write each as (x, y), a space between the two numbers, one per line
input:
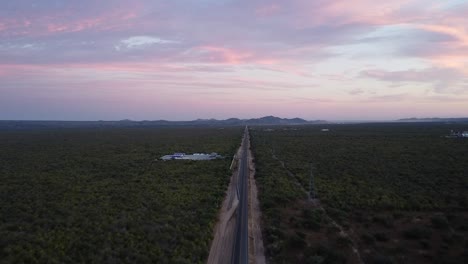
(317, 203)
(292, 175)
(256, 249)
(343, 233)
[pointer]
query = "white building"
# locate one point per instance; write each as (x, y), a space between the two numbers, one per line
(195, 156)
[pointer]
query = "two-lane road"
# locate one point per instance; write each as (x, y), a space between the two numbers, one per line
(240, 254)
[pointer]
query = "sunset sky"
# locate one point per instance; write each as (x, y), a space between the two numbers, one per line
(182, 60)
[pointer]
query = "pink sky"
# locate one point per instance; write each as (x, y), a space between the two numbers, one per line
(181, 60)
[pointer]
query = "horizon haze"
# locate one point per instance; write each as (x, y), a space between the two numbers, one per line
(185, 60)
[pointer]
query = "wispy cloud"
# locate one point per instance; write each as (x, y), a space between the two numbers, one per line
(139, 42)
(425, 75)
(356, 92)
(442, 79)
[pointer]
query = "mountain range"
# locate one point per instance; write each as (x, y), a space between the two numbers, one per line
(263, 121)
(267, 120)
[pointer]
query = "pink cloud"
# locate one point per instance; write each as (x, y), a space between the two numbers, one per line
(221, 55)
(449, 54)
(167, 76)
(426, 16)
(348, 12)
(51, 28)
(67, 21)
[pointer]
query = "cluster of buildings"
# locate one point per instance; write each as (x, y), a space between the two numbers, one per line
(458, 134)
(194, 156)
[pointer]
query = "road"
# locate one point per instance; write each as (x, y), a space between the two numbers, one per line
(240, 254)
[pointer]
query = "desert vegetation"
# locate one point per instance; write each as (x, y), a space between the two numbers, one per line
(98, 195)
(387, 193)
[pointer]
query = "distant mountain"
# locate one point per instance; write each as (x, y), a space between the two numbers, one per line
(267, 120)
(273, 120)
(435, 119)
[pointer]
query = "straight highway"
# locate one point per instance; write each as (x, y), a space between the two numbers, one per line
(240, 254)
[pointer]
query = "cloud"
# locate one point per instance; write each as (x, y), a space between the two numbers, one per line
(406, 97)
(174, 77)
(425, 75)
(216, 54)
(254, 32)
(356, 92)
(441, 79)
(312, 100)
(49, 18)
(444, 45)
(9, 47)
(389, 98)
(139, 42)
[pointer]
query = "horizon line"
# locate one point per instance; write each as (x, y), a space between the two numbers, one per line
(214, 119)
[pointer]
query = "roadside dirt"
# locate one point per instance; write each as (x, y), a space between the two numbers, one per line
(256, 249)
(224, 232)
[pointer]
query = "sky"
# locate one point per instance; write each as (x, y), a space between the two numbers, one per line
(183, 60)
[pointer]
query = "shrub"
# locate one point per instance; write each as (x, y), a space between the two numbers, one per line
(439, 221)
(368, 239)
(331, 255)
(417, 232)
(343, 241)
(337, 214)
(297, 240)
(315, 260)
(382, 237)
(425, 244)
(382, 220)
(381, 259)
(312, 219)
